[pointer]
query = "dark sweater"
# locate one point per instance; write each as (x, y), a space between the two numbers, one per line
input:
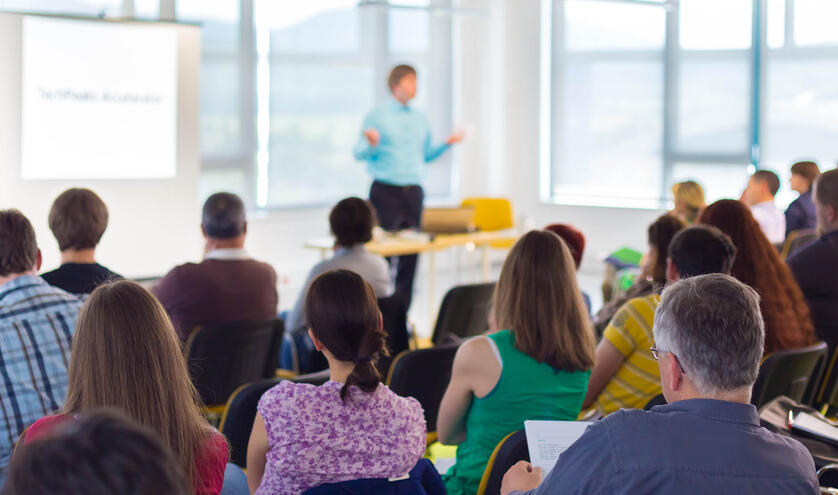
(80, 278)
(800, 214)
(217, 291)
(816, 269)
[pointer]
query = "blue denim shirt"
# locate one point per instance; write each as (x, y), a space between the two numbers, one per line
(697, 446)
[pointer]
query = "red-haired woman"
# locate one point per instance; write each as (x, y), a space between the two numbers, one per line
(788, 324)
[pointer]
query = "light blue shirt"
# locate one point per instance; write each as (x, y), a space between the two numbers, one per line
(405, 146)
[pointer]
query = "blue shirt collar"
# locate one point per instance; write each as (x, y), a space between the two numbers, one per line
(398, 105)
(720, 410)
(10, 288)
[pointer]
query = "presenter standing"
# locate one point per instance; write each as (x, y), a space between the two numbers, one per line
(396, 144)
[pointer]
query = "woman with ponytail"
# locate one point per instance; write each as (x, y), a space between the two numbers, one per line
(352, 426)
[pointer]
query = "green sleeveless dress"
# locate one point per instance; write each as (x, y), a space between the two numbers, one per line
(526, 390)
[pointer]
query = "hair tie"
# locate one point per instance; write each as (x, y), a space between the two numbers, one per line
(362, 359)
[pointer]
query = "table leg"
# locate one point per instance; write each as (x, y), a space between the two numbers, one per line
(487, 266)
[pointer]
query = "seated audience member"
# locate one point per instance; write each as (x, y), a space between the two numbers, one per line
(536, 368)
(788, 324)
(816, 266)
(78, 219)
(352, 426)
(707, 439)
(126, 356)
(688, 197)
(351, 221)
(37, 322)
(228, 285)
(653, 277)
(625, 374)
(575, 241)
(100, 454)
(759, 196)
(800, 214)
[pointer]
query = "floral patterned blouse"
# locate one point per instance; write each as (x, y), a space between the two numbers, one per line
(314, 437)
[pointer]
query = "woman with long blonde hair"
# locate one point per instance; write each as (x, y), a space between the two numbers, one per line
(125, 356)
(537, 368)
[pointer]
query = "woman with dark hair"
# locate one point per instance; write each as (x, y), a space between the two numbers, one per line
(788, 324)
(653, 277)
(126, 356)
(536, 368)
(800, 214)
(352, 426)
(352, 221)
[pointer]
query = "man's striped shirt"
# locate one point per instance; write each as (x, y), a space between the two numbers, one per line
(37, 322)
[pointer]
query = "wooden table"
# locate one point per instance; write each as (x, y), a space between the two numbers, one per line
(403, 244)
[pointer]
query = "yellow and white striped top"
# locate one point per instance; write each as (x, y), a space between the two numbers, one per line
(638, 378)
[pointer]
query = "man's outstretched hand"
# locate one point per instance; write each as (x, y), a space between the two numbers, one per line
(373, 136)
(456, 137)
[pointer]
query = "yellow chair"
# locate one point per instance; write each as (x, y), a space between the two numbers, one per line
(442, 456)
(492, 214)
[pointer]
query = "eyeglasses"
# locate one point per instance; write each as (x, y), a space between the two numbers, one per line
(656, 353)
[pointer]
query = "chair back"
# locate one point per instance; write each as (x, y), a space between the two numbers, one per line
(491, 213)
(239, 414)
(223, 357)
(464, 311)
(511, 449)
(424, 375)
(423, 479)
(827, 392)
(787, 373)
(797, 240)
(394, 316)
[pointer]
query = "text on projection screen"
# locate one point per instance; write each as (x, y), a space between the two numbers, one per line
(99, 100)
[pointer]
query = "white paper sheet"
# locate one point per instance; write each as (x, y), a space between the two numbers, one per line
(546, 440)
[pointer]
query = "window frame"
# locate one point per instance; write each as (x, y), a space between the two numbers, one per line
(553, 52)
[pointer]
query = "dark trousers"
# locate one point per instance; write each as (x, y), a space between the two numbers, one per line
(399, 207)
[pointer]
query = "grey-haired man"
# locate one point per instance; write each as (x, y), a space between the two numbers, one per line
(709, 337)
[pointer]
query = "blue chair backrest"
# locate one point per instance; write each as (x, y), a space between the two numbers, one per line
(423, 479)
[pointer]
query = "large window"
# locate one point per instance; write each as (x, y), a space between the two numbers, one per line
(801, 95)
(286, 89)
(645, 93)
(325, 65)
(607, 101)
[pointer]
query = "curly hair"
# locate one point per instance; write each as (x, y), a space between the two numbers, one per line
(788, 323)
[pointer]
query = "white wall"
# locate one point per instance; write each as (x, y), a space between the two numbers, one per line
(153, 223)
